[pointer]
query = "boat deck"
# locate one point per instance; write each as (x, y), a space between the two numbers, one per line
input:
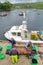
(24, 59)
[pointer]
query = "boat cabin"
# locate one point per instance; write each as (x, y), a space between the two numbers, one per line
(20, 33)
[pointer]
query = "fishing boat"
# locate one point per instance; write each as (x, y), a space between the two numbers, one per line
(3, 14)
(21, 33)
(21, 13)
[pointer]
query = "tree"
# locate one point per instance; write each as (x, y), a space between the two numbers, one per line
(5, 6)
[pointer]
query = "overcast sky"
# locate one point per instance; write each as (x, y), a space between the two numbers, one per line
(18, 1)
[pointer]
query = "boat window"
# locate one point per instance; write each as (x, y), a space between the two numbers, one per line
(19, 34)
(14, 33)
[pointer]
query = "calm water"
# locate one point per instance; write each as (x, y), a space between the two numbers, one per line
(34, 20)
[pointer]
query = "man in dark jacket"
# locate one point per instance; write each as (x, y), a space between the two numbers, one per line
(13, 42)
(29, 45)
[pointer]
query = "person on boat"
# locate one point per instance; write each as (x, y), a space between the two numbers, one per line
(14, 51)
(29, 45)
(13, 42)
(14, 55)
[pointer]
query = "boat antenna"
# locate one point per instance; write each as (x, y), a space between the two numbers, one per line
(24, 22)
(24, 15)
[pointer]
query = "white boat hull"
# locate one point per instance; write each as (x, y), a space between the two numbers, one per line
(21, 40)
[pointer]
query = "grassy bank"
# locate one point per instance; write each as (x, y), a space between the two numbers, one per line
(8, 6)
(38, 5)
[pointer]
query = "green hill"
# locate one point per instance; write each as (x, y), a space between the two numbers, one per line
(8, 6)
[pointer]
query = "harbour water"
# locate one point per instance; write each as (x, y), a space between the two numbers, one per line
(34, 20)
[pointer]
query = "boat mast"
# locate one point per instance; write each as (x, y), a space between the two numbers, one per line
(24, 22)
(24, 15)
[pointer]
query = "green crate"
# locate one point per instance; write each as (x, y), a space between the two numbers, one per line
(8, 47)
(2, 55)
(0, 48)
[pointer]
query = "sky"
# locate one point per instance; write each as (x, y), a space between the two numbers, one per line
(19, 1)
